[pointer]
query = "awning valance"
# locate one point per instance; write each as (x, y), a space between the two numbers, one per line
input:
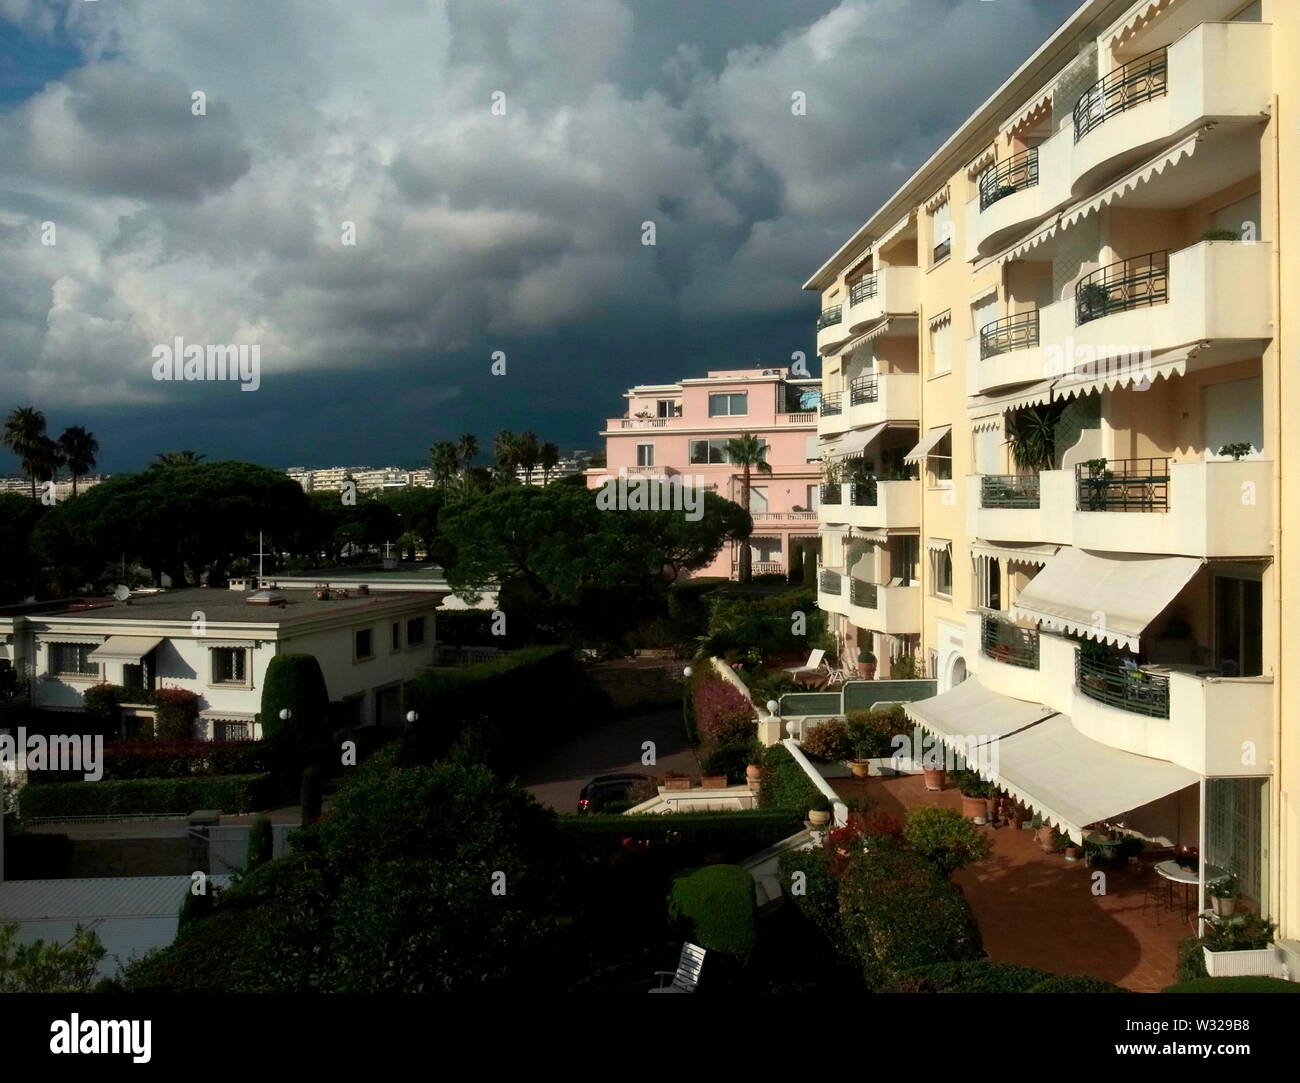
(1023, 554)
(1126, 370)
(894, 231)
(1110, 598)
(124, 648)
(938, 545)
(856, 442)
(926, 446)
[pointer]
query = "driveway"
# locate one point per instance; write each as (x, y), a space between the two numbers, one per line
(614, 746)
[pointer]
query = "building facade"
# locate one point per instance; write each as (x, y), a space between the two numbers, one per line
(1054, 377)
(682, 430)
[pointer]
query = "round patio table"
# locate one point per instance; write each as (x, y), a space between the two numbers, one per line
(1174, 873)
(1106, 846)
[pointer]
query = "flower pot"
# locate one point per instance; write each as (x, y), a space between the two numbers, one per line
(677, 784)
(1262, 962)
(860, 768)
(1044, 837)
(713, 782)
(935, 777)
(974, 808)
(1073, 853)
(818, 818)
(754, 776)
(1223, 908)
(867, 671)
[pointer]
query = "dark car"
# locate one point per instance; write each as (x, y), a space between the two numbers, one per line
(605, 790)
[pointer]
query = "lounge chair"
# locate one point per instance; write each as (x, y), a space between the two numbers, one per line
(687, 975)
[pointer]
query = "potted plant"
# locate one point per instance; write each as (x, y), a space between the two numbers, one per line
(1220, 235)
(819, 811)
(1237, 451)
(1240, 946)
(866, 664)
(1092, 299)
(974, 795)
(713, 782)
(1043, 832)
(675, 780)
(1223, 896)
(754, 776)
(1073, 851)
(935, 778)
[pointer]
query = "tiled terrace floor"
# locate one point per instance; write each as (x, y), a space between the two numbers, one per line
(1038, 909)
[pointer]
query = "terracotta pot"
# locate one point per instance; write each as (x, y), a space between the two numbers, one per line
(867, 671)
(713, 782)
(995, 808)
(818, 818)
(860, 768)
(974, 808)
(754, 776)
(935, 778)
(1044, 837)
(677, 784)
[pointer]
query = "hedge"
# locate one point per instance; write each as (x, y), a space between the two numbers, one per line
(686, 605)
(736, 834)
(133, 797)
(295, 681)
(900, 912)
(715, 905)
(819, 900)
(183, 758)
(990, 976)
(1256, 984)
(785, 785)
(723, 713)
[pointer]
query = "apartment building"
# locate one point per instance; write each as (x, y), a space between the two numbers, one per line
(1055, 381)
(682, 429)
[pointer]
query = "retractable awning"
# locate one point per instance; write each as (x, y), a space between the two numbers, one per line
(856, 442)
(1028, 553)
(1110, 598)
(932, 437)
(124, 648)
(970, 710)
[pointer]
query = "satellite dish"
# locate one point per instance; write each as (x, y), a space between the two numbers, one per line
(121, 592)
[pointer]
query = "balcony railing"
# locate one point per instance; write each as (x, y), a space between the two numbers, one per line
(1007, 643)
(864, 389)
(1118, 287)
(863, 291)
(864, 494)
(830, 494)
(832, 404)
(1009, 491)
(1008, 177)
(864, 594)
(941, 251)
(1129, 689)
(830, 316)
(1018, 332)
(1137, 81)
(830, 582)
(760, 567)
(1122, 484)
(798, 419)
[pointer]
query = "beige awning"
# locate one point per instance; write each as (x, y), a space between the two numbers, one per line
(124, 648)
(938, 545)
(1126, 370)
(1110, 598)
(971, 710)
(983, 406)
(1024, 554)
(926, 446)
(857, 441)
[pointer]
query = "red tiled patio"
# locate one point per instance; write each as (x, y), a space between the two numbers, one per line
(1038, 909)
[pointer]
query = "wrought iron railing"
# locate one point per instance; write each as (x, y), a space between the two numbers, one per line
(864, 494)
(830, 316)
(864, 389)
(1007, 643)
(863, 290)
(1131, 283)
(1008, 177)
(1122, 484)
(830, 582)
(864, 594)
(1009, 491)
(1018, 332)
(830, 494)
(1137, 81)
(941, 251)
(832, 404)
(1128, 688)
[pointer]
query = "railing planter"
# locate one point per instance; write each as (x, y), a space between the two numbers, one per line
(1008, 177)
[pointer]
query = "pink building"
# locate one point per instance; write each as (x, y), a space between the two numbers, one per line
(682, 429)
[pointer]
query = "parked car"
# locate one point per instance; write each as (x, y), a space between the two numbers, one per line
(605, 790)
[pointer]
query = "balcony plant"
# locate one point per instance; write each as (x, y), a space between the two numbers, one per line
(819, 810)
(1240, 945)
(1220, 235)
(1237, 451)
(975, 793)
(866, 664)
(1091, 300)
(1223, 896)
(1031, 437)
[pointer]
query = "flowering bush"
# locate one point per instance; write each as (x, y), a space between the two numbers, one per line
(828, 742)
(723, 715)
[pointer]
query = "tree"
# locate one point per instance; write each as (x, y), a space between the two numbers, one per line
(467, 448)
(24, 435)
(548, 459)
(19, 570)
(294, 682)
(48, 968)
(443, 463)
(749, 453)
(528, 452)
(794, 574)
(261, 843)
(165, 459)
(80, 449)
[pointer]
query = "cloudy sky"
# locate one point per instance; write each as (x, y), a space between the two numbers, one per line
(496, 159)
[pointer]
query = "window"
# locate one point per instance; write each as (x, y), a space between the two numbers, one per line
(940, 569)
(72, 660)
(757, 500)
(984, 312)
(941, 232)
(667, 408)
(941, 344)
(415, 632)
(645, 454)
(728, 404)
(709, 451)
(363, 646)
(229, 665)
(397, 635)
(229, 731)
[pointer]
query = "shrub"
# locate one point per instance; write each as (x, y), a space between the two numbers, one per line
(784, 784)
(1254, 984)
(261, 843)
(135, 797)
(716, 906)
(687, 605)
(945, 837)
(990, 976)
(883, 827)
(295, 682)
(899, 912)
(194, 908)
(819, 803)
(177, 709)
(689, 836)
(817, 894)
(1075, 983)
(310, 794)
(187, 758)
(103, 704)
(728, 759)
(828, 742)
(723, 714)
(1191, 960)
(871, 733)
(1241, 932)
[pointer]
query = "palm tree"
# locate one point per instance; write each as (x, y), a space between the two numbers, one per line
(749, 453)
(443, 463)
(165, 459)
(505, 447)
(548, 459)
(529, 454)
(467, 448)
(24, 434)
(50, 457)
(80, 449)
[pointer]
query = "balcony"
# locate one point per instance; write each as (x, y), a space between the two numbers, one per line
(879, 607)
(862, 291)
(832, 331)
(891, 291)
(832, 404)
(1122, 286)
(864, 389)
(830, 592)
(1007, 643)
(830, 495)
(1217, 72)
(1122, 485)
(883, 505)
(1011, 333)
(1009, 491)
(1129, 689)
(1008, 177)
(881, 396)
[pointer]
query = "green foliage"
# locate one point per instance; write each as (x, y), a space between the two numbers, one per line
(195, 907)
(1240, 932)
(295, 682)
(946, 838)
(716, 907)
(900, 912)
(871, 733)
(1220, 235)
(785, 785)
(1079, 983)
(762, 624)
(133, 797)
(177, 709)
(261, 843)
(969, 784)
(990, 976)
(19, 569)
(1031, 437)
(691, 835)
(40, 967)
(819, 899)
(729, 759)
(1191, 959)
(1252, 984)
(687, 604)
(310, 794)
(828, 742)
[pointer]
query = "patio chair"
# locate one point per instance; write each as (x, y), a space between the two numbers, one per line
(834, 677)
(686, 977)
(815, 664)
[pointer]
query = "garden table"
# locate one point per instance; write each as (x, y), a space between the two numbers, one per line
(1174, 873)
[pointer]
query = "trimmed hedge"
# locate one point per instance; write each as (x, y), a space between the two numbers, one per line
(686, 605)
(990, 976)
(133, 797)
(295, 681)
(785, 786)
(1256, 984)
(819, 900)
(193, 758)
(723, 714)
(717, 907)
